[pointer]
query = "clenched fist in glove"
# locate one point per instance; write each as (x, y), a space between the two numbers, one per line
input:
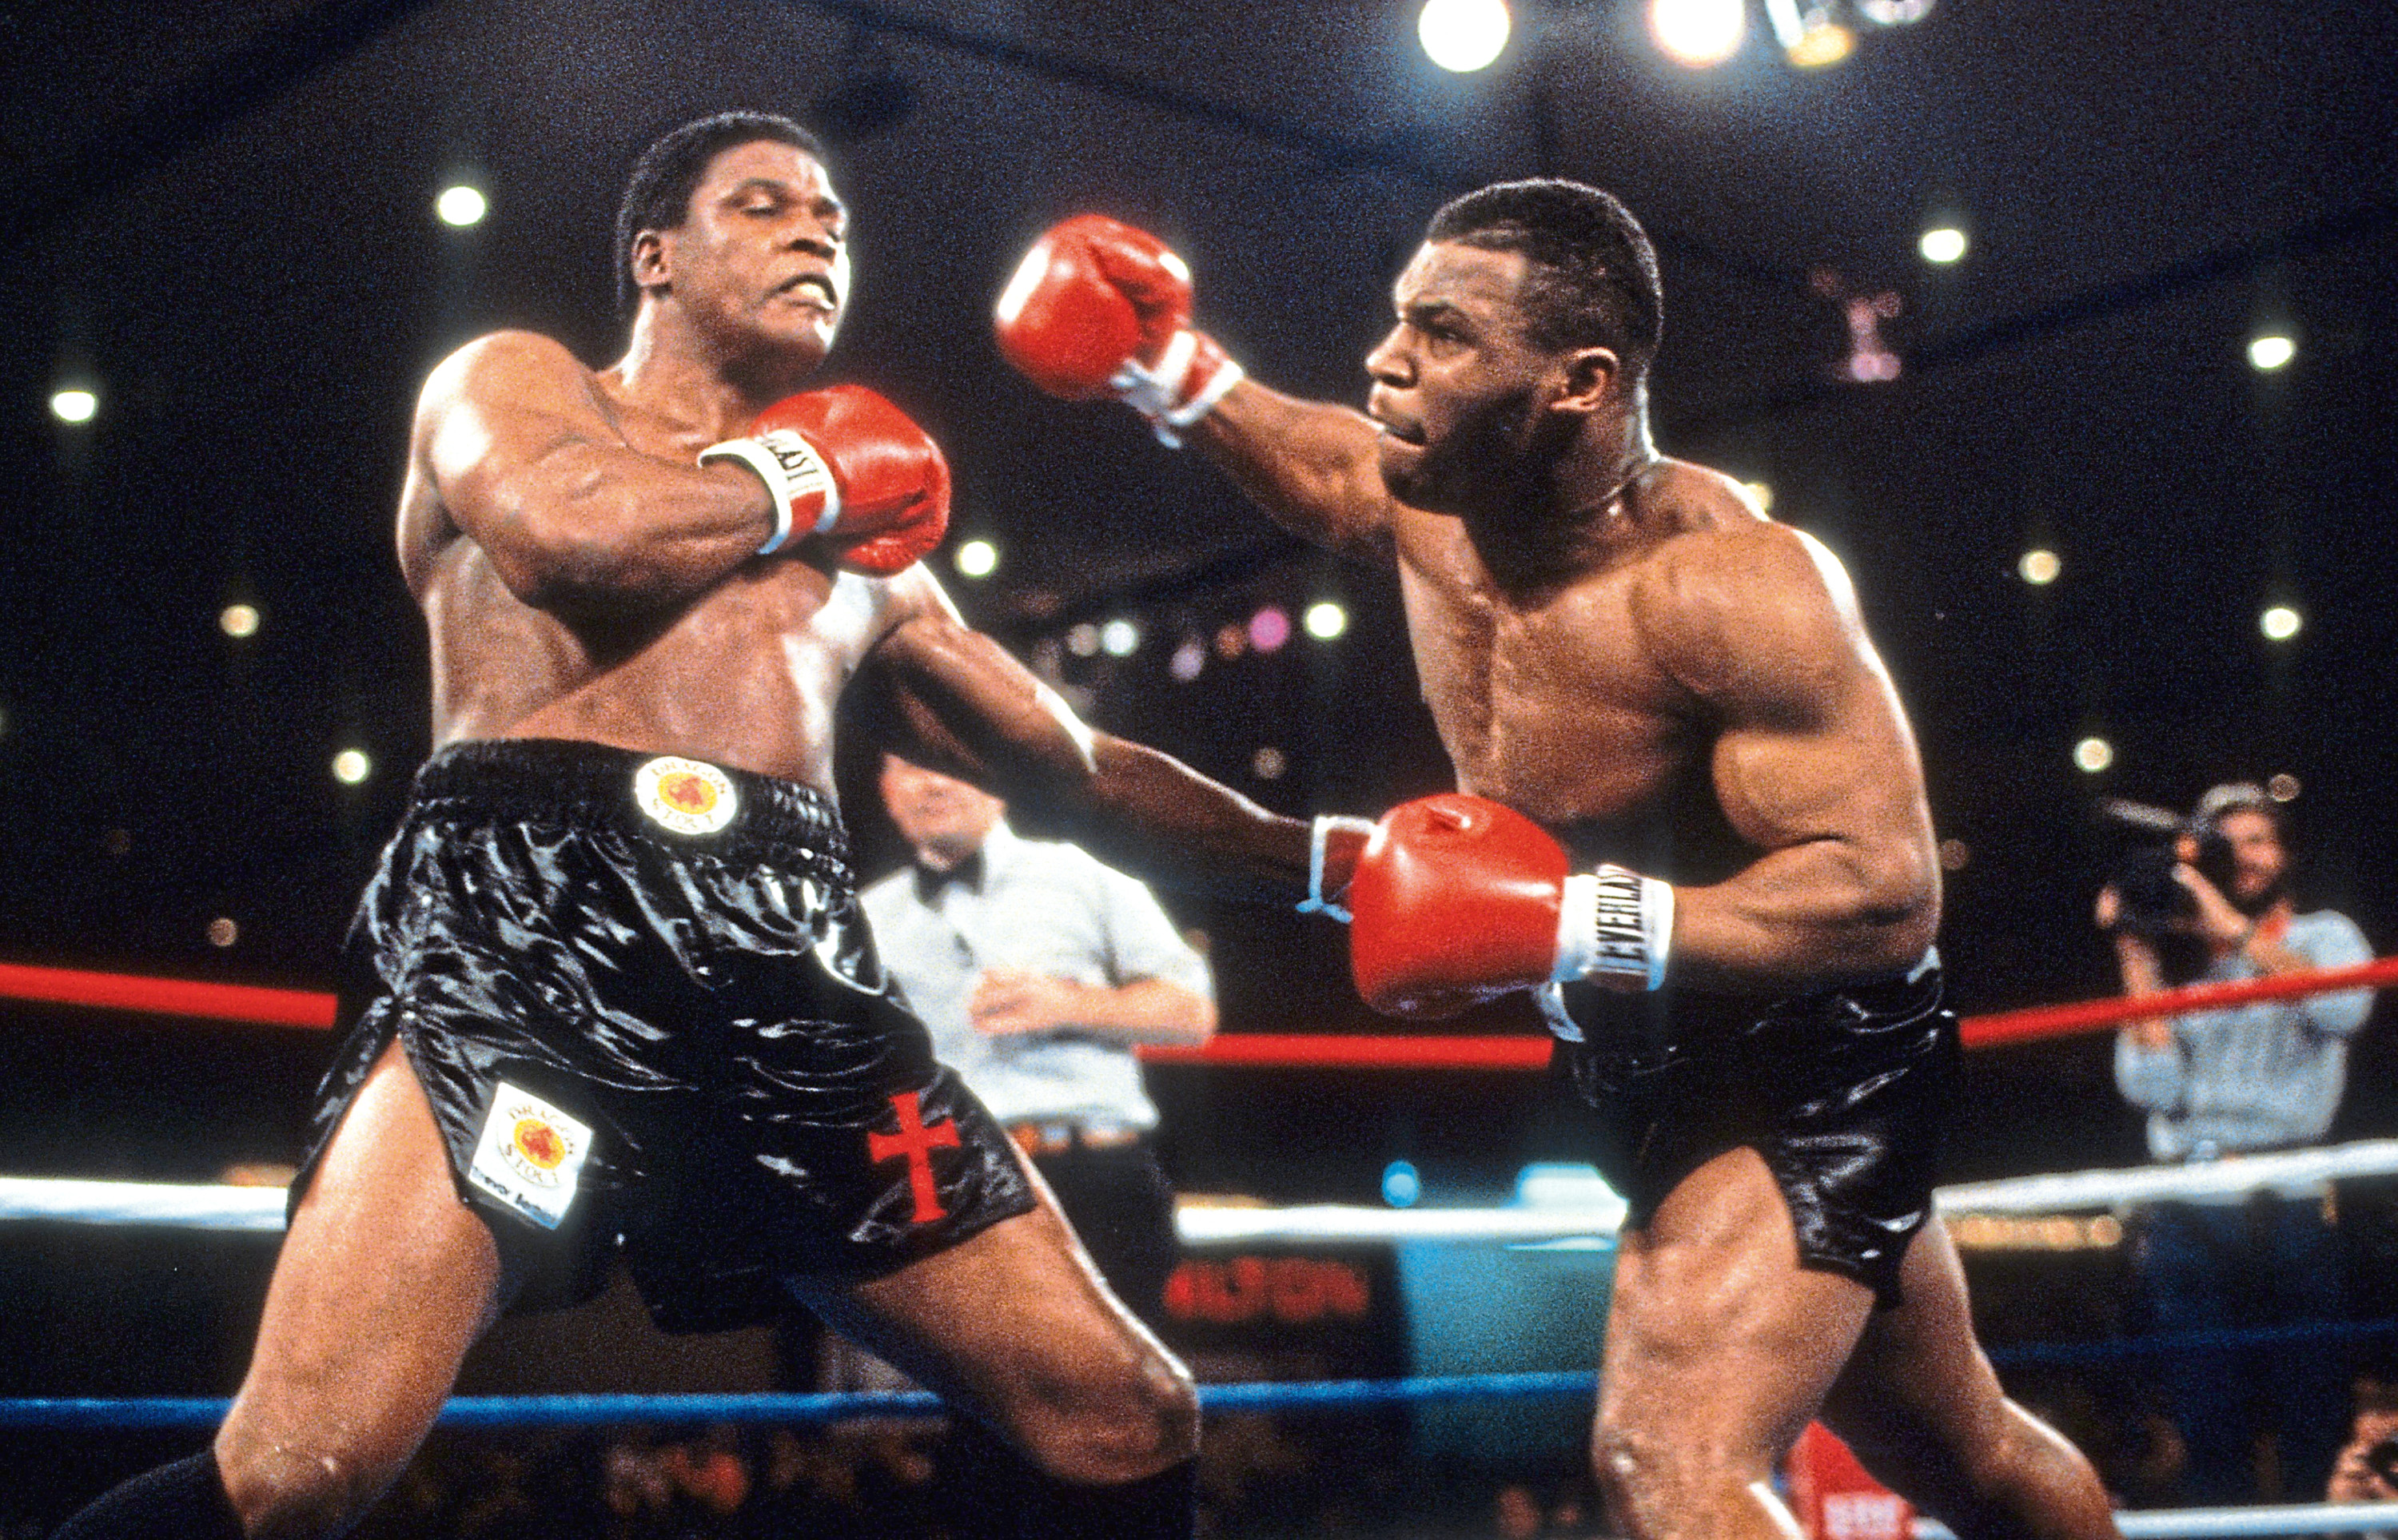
(844, 464)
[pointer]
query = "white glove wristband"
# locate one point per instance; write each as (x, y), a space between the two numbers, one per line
(1614, 926)
(792, 471)
(1319, 835)
(1156, 393)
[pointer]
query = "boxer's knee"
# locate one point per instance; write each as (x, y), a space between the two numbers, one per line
(299, 1485)
(1134, 1417)
(1648, 1475)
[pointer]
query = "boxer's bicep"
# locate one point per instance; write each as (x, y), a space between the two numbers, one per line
(515, 441)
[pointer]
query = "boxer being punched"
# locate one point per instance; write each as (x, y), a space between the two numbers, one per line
(611, 989)
(1696, 829)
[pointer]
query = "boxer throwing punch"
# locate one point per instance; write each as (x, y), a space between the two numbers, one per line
(1695, 826)
(611, 992)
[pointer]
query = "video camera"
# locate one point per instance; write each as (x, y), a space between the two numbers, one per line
(2151, 903)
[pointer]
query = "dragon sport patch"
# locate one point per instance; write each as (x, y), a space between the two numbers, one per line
(685, 795)
(529, 1156)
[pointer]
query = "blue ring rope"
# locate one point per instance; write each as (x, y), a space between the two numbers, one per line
(803, 1410)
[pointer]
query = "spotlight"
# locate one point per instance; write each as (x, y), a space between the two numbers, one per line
(1325, 619)
(1697, 33)
(461, 205)
(74, 404)
(1190, 658)
(2270, 351)
(2279, 624)
(223, 932)
(1942, 243)
(1462, 35)
(240, 620)
(2040, 566)
(350, 767)
(1269, 628)
(1401, 1186)
(977, 558)
(2093, 755)
(1119, 638)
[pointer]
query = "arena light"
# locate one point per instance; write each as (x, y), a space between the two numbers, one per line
(2093, 755)
(240, 620)
(223, 932)
(1697, 33)
(1943, 244)
(1325, 619)
(460, 206)
(1269, 628)
(1120, 639)
(352, 766)
(1269, 763)
(2279, 623)
(1083, 639)
(1808, 36)
(2040, 566)
(977, 558)
(1462, 35)
(1401, 1185)
(74, 404)
(2270, 351)
(1189, 661)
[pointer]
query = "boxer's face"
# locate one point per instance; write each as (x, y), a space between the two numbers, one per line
(1459, 390)
(945, 819)
(762, 255)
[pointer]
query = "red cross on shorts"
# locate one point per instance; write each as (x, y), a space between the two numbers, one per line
(917, 1142)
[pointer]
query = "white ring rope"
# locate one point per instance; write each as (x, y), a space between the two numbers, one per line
(1580, 1209)
(2227, 1523)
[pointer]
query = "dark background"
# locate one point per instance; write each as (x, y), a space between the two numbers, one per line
(221, 221)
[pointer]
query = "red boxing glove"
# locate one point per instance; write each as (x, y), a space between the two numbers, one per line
(1099, 308)
(844, 464)
(1458, 898)
(1455, 900)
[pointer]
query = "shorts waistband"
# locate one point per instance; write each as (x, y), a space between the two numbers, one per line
(1057, 1135)
(685, 804)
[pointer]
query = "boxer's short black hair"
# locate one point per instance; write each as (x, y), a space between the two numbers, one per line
(657, 194)
(1593, 280)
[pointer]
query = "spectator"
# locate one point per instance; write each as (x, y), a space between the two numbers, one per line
(2267, 1076)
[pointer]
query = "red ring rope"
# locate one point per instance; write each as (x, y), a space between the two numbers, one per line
(306, 1009)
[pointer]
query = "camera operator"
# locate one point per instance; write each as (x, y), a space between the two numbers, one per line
(2265, 1075)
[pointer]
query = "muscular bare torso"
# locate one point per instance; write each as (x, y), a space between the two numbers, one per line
(745, 673)
(1593, 704)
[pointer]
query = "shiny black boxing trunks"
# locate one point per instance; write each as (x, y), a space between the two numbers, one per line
(646, 1010)
(1844, 1092)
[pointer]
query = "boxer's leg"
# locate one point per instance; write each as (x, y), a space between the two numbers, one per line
(383, 1283)
(1922, 1409)
(1719, 1348)
(1015, 1326)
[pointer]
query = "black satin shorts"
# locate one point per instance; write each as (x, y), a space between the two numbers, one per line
(646, 1010)
(1844, 1093)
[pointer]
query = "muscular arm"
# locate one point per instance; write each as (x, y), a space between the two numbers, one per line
(1813, 765)
(1307, 464)
(520, 450)
(952, 699)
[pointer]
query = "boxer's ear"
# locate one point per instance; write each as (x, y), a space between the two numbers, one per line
(652, 259)
(1587, 379)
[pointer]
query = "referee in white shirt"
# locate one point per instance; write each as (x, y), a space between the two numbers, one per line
(1038, 969)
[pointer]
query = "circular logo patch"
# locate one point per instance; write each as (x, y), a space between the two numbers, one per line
(538, 1143)
(685, 795)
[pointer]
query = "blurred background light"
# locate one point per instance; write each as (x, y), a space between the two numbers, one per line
(2282, 788)
(2271, 351)
(461, 205)
(1462, 35)
(2093, 755)
(1401, 1186)
(1083, 639)
(1697, 33)
(351, 766)
(2279, 623)
(223, 932)
(2039, 566)
(1120, 639)
(1190, 658)
(240, 620)
(1325, 619)
(977, 558)
(74, 404)
(1269, 763)
(1809, 35)
(1269, 628)
(1942, 243)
